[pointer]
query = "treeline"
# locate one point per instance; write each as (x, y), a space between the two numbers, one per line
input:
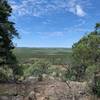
(55, 56)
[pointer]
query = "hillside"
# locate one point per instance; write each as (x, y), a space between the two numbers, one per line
(46, 90)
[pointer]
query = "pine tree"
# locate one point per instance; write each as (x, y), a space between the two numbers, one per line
(7, 33)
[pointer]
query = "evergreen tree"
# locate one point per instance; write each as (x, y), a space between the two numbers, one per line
(86, 54)
(7, 33)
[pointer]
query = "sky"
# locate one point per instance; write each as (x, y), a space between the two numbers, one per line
(53, 23)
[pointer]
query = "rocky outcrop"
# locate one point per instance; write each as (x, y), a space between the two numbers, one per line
(45, 90)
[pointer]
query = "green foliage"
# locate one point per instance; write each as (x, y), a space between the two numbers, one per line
(95, 84)
(98, 87)
(42, 67)
(55, 72)
(86, 54)
(4, 74)
(7, 33)
(38, 68)
(89, 71)
(27, 55)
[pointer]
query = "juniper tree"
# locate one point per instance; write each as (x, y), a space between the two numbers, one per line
(86, 53)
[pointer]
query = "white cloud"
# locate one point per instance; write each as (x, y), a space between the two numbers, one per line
(76, 8)
(42, 7)
(80, 11)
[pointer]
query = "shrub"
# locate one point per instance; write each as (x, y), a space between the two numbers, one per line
(37, 69)
(96, 84)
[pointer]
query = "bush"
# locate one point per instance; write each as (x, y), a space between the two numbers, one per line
(5, 74)
(96, 84)
(37, 69)
(90, 71)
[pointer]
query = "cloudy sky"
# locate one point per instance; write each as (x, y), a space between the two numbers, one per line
(53, 23)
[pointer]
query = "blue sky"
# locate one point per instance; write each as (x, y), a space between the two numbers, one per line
(53, 23)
